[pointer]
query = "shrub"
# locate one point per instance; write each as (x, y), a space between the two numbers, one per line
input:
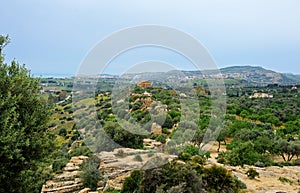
(161, 138)
(120, 153)
(62, 132)
(259, 164)
(63, 118)
(59, 164)
(138, 158)
(179, 177)
(221, 158)
(82, 150)
(70, 119)
(199, 159)
(252, 173)
(220, 180)
(285, 180)
(185, 156)
(239, 183)
(90, 173)
(150, 154)
(132, 183)
(165, 131)
(297, 162)
(67, 107)
(52, 125)
(242, 153)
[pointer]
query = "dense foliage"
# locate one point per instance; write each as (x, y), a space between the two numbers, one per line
(262, 128)
(188, 177)
(90, 172)
(25, 143)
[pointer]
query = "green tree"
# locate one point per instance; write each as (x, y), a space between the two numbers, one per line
(178, 177)
(222, 137)
(90, 173)
(242, 153)
(4, 40)
(286, 149)
(62, 95)
(25, 144)
(132, 183)
(168, 122)
(123, 137)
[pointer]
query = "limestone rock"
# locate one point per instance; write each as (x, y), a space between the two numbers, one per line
(67, 175)
(86, 190)
(67, 181)
(156, 129)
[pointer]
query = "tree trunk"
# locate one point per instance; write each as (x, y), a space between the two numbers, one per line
(290, 157)
(219, 146)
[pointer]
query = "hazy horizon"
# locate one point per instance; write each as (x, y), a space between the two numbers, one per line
(53, 37)
(67, 75)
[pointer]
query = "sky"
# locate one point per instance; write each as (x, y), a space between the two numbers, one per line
(54, 36)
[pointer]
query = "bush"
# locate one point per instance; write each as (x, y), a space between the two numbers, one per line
(62, 132)
(161, 138)
(259, 164)
(120, 153)
(90, 173)
(220, 179)
(58, 165)
(252, 173)
(165, 131)
(242, 153)
(52, 125)
(82, 150)
(287, 163)
(70, 119)
(132, 183)
(138, 158)
(179, 177)
(239, 183)
(297, 162)
(67, 108)
(185, 156)
(285, 180)
(221, 158)
(150, 154)
(63, 118)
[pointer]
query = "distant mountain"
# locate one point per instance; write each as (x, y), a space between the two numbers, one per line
(250, 75)
(245, 69)
(242, 75)
(259, 75)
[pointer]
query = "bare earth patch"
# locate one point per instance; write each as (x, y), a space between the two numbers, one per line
(268, 182)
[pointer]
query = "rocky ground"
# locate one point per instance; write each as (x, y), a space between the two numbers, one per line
(268, 181)
(117, 165)
(69, 180)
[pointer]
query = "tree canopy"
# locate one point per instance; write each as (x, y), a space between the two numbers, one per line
(25, 143)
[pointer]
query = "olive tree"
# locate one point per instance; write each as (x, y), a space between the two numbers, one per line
(25, 142)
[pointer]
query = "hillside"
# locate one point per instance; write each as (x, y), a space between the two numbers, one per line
(260, 75)
(241, 75)
(249, 75)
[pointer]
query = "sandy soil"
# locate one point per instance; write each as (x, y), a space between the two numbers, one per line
(268, 182)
